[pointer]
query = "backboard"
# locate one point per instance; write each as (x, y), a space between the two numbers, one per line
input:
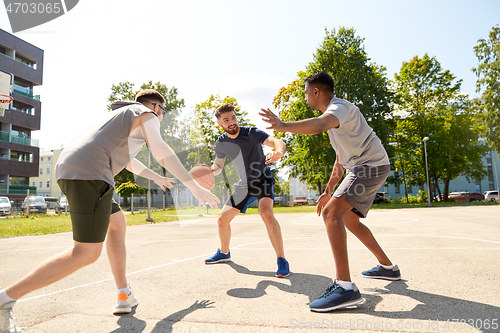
(5, 83)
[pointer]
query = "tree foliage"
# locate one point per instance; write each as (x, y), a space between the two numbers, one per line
(488, 73)
(342, 55)
(429, 104)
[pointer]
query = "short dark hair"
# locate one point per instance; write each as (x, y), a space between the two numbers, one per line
(321, 79)
(223, 109)
(149, 96)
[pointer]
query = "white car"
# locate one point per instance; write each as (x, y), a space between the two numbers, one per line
(490, 196)
(5, 206)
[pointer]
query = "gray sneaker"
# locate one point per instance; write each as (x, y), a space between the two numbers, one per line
(380, 272)
(8, 319)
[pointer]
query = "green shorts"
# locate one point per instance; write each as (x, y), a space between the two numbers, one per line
(91, 204)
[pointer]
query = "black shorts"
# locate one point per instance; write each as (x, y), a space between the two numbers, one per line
(91, 204)
(244, 194)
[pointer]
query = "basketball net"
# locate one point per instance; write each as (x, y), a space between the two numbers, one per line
(4, 103)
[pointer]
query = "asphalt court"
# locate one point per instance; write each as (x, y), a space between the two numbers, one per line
(448, 258)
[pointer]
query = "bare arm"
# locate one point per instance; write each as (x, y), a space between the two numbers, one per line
(337, 172)
(279, 149)
(138, 168)
(218, 165)
(307, 126)
(162, 152)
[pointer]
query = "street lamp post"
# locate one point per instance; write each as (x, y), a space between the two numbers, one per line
(424, 140)
(199, 145)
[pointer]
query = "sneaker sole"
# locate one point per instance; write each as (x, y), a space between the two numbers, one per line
(383, 277)
(340, 306)
(282, 276)
(218, 261)
(126, 310)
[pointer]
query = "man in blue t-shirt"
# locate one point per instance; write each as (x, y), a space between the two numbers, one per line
(243, 146)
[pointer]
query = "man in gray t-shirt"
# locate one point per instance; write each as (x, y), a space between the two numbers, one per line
(361, 153)
(85, 173)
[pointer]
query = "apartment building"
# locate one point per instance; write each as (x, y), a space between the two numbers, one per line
(45, 183)
(22, 63)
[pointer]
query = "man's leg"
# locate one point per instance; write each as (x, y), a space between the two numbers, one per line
(226, 216)
(334, 213)
(272, 225)
(364, 234)
(56, 268)
(116, 249)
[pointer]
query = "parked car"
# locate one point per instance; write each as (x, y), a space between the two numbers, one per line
(490, 196)
(62, 205)
(468, 197)
(280, 201)
(300, 200)
(36, 204)
(381, 198)
(5, 206)
(312, 201)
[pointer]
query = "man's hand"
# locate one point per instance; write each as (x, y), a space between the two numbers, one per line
(273, 156)
(204, 196)
(164, 182)
(322, 201)
(269, 117)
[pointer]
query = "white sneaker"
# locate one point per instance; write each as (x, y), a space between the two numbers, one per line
(125, 303)
(8, 319)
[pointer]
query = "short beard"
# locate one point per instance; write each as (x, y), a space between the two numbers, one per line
(232, 132)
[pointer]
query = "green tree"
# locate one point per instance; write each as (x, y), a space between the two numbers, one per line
(488, 73)
(170, 127)
(206, 131)
(429, 103)
(342, 55)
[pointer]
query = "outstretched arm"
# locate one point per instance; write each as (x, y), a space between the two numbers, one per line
(162, 152)
(279, 149)
(138, 168)
(307, 126)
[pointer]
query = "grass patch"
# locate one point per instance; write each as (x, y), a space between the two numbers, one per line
(52, 224)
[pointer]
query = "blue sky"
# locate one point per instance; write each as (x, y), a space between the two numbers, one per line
(245, 49)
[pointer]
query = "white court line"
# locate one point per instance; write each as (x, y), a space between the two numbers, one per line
(139, 271)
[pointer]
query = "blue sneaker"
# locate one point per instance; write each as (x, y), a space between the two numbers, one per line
(380, 272)
(335, 298)
(283, 268)
(218, 257)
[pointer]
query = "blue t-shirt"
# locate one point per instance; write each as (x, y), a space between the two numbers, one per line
(246, 153)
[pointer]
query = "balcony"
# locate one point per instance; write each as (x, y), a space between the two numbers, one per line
(25, 91)
(5, 136)
(17, 189)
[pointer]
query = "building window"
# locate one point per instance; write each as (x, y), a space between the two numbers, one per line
(410, 190)
(33, 184)
(40, 184)
(48, 159)
(48, 171)
(48, 184)
(41, 171)
(396, 186)
(41, 160)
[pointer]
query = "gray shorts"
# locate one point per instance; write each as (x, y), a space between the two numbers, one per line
(361, 185)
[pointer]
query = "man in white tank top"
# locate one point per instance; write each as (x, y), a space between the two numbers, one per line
(85, 172)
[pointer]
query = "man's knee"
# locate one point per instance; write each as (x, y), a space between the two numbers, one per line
(87, 252)
(267, 215)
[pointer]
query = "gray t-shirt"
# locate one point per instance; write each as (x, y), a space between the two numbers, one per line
(354, 140)
(103, 150)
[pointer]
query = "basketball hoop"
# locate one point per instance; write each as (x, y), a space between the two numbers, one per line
(4, 103)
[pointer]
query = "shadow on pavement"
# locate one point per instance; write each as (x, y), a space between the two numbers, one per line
(128, 323)
(436, 309)
(310, 285)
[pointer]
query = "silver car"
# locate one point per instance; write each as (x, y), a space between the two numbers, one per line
(490, 196)
(5, 206)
